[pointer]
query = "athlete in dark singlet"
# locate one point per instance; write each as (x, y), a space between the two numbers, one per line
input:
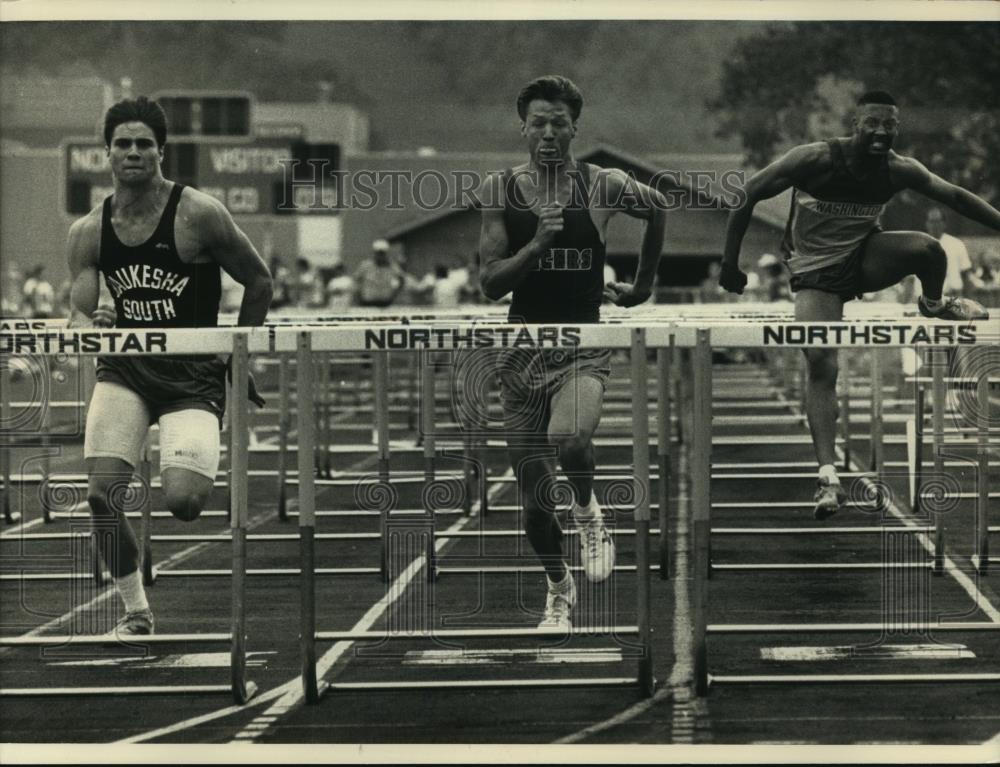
(160, 247)
(543, 240)
(836, 251)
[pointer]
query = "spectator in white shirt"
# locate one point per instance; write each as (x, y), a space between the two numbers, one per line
(958, 277)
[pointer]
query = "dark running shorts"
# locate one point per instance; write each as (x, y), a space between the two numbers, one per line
(530, 377)
(842, 278)
(168, 384)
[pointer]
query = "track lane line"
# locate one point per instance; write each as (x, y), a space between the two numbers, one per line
(682, 673)
(980, 600)
(295, 697)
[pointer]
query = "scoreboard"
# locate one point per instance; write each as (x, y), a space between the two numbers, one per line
(246, 178)
(210, 147)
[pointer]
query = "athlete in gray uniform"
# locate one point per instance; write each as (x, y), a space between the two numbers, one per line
(836, 250)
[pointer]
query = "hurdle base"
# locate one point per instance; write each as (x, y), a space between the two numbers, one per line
(481, 684)
(811, 679)
(242, 695)
(59, 692)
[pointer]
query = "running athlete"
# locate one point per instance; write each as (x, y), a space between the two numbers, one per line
(543, 240)
(836, 251)
(160, 246)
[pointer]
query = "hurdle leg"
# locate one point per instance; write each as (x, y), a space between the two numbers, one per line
(239, 495)
(681, 362)
(380, 369)
(845, 410)
(640, 462)
(284, 423)
(413, 382)
(919, 410)
(427, 412)
(663, 385)
(877, 462)
(701, 502)
(145, 478)
(326, 401)
(939, 395)
(45, 427)
(5, 424)
(983, 473)
(307, 521)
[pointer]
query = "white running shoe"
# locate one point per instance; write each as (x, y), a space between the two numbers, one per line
(139, 623)
(597, 547)
(558, 606)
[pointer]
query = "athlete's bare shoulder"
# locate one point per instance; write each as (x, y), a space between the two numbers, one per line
(489, 195)
(85, 235)
(810, 159)
(615, 177)
(906, 172)
(800, 167)
(196, 205)
(609, 186)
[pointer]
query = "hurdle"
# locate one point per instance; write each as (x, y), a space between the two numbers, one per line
(5, 420)
(172, 341)
(703, 338)
(349, 339)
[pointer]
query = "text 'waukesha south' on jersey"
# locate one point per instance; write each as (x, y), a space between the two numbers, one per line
(150, 284)
(831, 217)
(567, 283)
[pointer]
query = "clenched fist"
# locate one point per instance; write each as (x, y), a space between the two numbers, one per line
(732, 278)
(550, 223)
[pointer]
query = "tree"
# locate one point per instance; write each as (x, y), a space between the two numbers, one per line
(792, 83)
(210, 55)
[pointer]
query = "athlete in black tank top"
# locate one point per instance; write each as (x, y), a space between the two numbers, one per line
(153, 288)
(567, 284)
(169, 278)
(150, 284)
(543, 240)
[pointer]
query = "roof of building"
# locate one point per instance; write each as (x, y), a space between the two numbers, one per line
(696, 174)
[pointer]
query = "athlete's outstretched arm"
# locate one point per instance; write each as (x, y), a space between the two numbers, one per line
(769, 182)
(84, 253)
(232, 249)
(639, 201)
(499, 271)
(917, 177)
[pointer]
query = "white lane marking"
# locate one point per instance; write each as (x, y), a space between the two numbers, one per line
(15, 531)
(278, 692)
(396, 589)
(109, 591)
(879, 652)
(682, 674)
(980, 600)
(504, 656)
(176, 660)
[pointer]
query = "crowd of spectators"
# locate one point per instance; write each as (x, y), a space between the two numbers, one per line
(380, 280)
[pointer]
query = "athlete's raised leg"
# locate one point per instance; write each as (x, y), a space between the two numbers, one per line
(890, 257)
(189, 460)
